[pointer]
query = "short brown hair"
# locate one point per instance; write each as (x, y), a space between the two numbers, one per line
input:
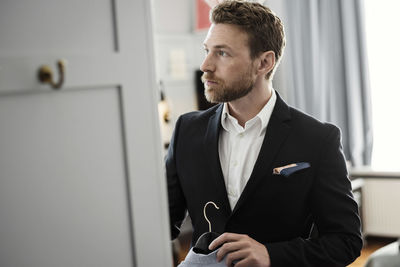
(265, 30)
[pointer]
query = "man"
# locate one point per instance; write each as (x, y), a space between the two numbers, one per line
(276, 174)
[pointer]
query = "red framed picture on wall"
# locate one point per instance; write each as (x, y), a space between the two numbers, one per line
(202, 10)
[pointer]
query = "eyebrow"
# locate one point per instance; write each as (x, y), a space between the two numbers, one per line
(218, 46)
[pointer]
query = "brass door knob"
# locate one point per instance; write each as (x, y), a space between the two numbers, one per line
(45, 75)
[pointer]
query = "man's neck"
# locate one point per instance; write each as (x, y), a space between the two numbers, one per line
(247, 107)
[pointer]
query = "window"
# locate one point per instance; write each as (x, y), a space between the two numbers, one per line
(383, 44)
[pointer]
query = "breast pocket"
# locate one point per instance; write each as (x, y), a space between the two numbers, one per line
(290, 169)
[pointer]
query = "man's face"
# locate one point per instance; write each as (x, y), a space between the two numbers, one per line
(229, 72)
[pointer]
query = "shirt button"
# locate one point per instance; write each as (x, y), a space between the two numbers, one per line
(235, 163)
(241, 134)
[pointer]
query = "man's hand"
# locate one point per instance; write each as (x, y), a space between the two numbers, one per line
(242, 250)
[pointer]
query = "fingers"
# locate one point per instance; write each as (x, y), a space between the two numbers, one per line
(241, 250)
(243, 263)
(224, 238)
(229, 248)
(235, 257)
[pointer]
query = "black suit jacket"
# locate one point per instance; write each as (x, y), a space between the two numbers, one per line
(275, 210)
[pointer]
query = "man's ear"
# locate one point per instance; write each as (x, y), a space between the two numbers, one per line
(266, 63)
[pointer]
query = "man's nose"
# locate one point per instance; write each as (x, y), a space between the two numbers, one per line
(208, 64)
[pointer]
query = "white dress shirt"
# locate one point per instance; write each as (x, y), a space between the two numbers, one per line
(239, 147)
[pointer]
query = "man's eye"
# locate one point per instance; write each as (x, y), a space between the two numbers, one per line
(222, 53)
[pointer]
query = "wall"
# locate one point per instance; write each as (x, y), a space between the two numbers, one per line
(173, 16)
(179, 53)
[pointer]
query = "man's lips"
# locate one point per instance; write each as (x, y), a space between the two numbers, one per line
(210, 82)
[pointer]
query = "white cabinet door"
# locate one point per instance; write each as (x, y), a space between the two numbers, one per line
(81, 180)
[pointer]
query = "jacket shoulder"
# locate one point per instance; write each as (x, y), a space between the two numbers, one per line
(308, 122)
(199, 116)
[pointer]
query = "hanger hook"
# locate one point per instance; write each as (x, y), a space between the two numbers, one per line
(205, 215)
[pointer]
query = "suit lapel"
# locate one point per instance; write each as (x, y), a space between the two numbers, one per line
(276, 133)
(211, 153)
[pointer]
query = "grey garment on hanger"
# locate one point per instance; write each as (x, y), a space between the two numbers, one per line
(387, 256)
(194, 259)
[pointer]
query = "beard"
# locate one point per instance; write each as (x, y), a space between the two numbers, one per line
(223, 92)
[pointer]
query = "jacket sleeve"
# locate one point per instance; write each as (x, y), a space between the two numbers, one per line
(176, 199)
(335, 215)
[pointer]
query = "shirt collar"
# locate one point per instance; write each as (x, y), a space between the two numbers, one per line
(263, 116)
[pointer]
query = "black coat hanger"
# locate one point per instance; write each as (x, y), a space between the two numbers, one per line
(206, 238)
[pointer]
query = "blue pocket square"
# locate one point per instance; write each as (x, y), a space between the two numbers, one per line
(291, 168)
